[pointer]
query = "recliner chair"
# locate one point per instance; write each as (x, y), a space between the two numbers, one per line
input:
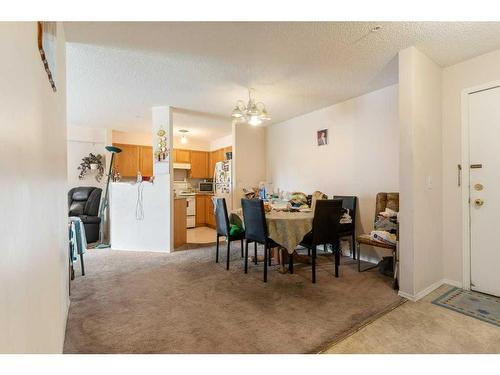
(84, 202)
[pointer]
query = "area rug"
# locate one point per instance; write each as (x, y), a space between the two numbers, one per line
(477, 305)
(184, 302)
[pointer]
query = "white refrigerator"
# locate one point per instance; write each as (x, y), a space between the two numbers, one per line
(223, 182)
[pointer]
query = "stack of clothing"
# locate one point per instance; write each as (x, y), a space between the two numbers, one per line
(386, 227)
(77, 239)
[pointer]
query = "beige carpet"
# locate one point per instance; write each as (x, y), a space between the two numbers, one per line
(141, 302)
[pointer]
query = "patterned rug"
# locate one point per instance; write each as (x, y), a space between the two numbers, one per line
(480, 306)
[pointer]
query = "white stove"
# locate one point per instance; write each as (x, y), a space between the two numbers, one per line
(183, 189)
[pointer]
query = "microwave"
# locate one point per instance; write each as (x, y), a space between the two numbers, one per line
(206, 187)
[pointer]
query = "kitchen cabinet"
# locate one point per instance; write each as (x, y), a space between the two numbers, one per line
(146, 160)
(209, 212)
(199, 164)
(134, 158)
(182, 156)
(205, 211)
(180, 232)
(216, 156)
(200, 211)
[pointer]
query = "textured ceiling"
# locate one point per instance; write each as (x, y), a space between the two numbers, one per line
(117, 71)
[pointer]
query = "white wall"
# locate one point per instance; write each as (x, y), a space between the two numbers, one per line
(361, 158)
(81, 141)
(470, 73)
(34, 261)
(132, 138)
(144, 138)
(249, 159)
(420, 173)
(153, 232)
(222, 142)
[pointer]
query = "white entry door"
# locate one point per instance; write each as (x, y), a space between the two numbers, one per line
(484, 138)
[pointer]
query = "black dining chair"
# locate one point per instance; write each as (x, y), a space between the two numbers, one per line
(324, 231)
(254, 218)
(349, 229)
(224, 229)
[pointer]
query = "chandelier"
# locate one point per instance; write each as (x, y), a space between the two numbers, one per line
(253, 113)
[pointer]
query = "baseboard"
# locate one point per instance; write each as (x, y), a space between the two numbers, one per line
(429, 289)
(454, 283)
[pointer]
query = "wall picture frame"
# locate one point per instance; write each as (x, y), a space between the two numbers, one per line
(47, 44)
(322, 137)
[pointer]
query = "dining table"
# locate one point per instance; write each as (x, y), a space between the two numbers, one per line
(285, 227)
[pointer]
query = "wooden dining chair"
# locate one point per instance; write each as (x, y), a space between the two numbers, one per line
(223, 228)
(254, 218)
(324, 231)
(383, 201)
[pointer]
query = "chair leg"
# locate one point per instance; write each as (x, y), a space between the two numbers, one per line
(270, 259)
(228, 252)
(336, 250)
(314, 264)
(242, 255)
(83, 266)
(217, 250)
(255, 252)
(265, 263)
(246, 256)
(358, 248)
(353, 244)
(290, 262)
(308, 252)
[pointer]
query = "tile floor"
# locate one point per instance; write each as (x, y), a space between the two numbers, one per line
(421, 327)
(201, 235)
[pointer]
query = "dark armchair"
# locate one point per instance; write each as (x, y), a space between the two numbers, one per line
(83, 202)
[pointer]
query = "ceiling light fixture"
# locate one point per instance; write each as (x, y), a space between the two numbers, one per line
(184, 139)
(252, 113)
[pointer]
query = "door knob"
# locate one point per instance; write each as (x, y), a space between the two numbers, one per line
(478, 202)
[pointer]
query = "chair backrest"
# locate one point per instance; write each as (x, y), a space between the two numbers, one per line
(386, 200)
(348, 202)
(254, 218)
(326, 221)
(221, 217)
(84, 200)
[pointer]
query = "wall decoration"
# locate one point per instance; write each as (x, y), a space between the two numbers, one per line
(47, 43)
(322, 136)
(161, 152)
(92, 163)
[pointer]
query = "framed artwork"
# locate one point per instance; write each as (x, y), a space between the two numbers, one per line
(322, 136)
(47, 43)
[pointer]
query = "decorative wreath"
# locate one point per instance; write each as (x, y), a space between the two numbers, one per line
(92, 162)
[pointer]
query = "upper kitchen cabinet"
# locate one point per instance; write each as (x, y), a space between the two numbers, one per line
(216, 156)
(134, 158)
(182, 156)
(127, 161)
(199, 164)
(146, 160)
